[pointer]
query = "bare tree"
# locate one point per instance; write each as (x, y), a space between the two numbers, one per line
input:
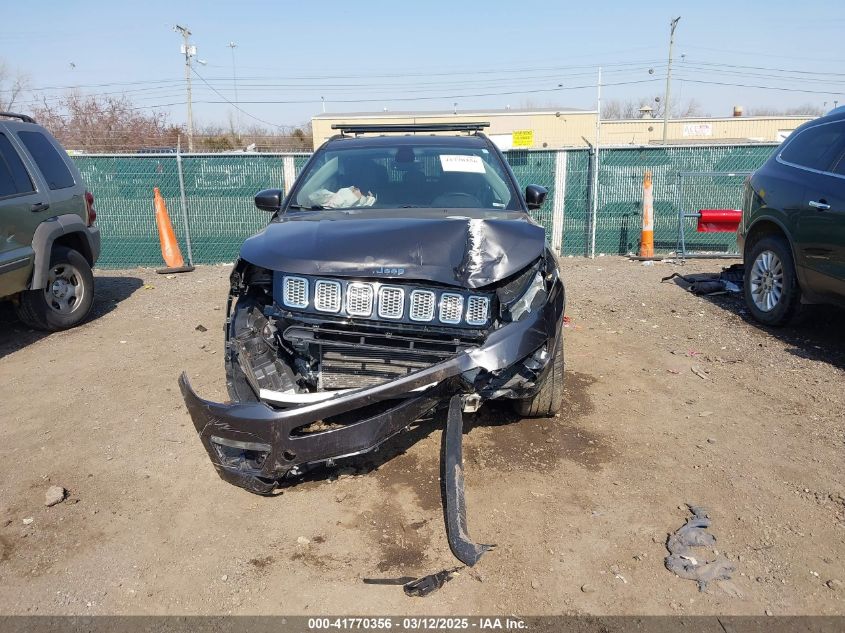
(691, 108)
(101, 123)
(631, 109)
(105, 124)
(612, 109)
(216, 138)
(12, 85)
(807, 109)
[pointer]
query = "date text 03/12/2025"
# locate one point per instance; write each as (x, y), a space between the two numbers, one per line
(416, 623)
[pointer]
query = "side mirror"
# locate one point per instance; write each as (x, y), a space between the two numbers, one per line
(535, 195)
(269, 200)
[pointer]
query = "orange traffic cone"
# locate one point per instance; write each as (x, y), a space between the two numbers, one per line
(169, 246)
(647, 235)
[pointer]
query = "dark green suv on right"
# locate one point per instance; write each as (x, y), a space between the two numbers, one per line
(48, 240)
(792, 234)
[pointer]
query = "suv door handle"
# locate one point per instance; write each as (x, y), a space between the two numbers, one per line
(821, 205)
(39, 206)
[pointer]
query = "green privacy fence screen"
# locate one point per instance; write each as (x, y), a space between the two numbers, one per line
(218, 189)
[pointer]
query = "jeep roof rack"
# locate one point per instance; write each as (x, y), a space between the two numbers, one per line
(368, 128)
(23, 117)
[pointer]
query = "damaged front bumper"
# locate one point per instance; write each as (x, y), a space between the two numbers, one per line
(253, 445)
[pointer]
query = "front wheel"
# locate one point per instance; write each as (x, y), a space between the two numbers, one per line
(67, 297)
(547, 402)
(770, 285)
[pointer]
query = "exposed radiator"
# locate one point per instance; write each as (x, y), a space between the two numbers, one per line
(353, 358)
(341, 368)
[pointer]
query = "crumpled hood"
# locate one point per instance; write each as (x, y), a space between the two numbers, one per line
(459, 247)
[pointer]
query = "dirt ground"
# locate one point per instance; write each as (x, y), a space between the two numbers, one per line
(671, 399)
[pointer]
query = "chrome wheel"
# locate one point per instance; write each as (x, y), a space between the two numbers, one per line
(65, 289)
(767, 281)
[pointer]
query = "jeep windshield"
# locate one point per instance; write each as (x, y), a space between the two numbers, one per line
(391, 173)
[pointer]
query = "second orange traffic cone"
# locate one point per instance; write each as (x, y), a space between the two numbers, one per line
(169, 246)
(647, 236)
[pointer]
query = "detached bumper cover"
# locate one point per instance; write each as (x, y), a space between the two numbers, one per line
(252, 444)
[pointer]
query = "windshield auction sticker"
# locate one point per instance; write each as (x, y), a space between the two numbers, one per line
(462, 162)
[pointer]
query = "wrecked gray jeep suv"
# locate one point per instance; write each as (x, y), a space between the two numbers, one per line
(399, 274)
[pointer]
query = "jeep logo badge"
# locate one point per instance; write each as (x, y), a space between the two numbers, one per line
(389, 271)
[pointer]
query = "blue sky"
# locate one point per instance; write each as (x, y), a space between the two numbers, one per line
(368, 55)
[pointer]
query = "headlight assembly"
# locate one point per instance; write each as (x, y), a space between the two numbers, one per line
(532, 299)
(524, 295)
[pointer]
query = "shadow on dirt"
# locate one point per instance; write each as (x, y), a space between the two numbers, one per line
(108, 293)
(496, 441)
(501, 441)
(817, 334)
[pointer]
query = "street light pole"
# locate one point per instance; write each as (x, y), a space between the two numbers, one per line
(666, 103)
(232, 47)
(189, 52)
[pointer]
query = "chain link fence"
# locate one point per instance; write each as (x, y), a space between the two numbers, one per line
(218, 190)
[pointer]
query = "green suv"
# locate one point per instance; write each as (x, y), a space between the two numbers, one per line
(49, 241)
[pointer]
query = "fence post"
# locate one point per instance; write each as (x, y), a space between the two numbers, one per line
(559, 205)
(680, 246)
(594, 201)
(289, 172)
(184, 204)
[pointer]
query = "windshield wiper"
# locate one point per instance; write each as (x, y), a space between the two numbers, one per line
(299, 207)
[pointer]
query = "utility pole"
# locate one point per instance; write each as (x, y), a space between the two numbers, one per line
(232, 46)
(594, 185)
(189, 52)
(666, 103)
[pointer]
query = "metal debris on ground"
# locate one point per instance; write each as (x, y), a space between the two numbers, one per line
(685, 559)
(429, 584)
(729, 280)
(418, 587)
(698, 373)
(452, 467)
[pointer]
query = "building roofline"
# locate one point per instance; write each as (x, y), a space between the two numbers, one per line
(767, 117)
(444, 113)
(462, 114)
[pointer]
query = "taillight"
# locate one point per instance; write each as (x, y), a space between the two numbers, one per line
(89, 207)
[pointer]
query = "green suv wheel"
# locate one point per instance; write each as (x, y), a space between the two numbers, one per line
(67, 297)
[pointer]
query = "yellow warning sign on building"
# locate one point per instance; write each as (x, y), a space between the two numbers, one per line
(523, 138)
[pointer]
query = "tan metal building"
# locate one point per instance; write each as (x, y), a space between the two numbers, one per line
(508, 128)
(557, 128)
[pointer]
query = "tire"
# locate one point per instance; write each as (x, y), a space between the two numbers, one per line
(548, 401)
(67, 298)
(770, 285)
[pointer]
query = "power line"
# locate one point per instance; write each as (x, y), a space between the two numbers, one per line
(353, 76)
(403, 99)
(785, 70)
(237, 107)
(758, 53)
(165, 92)
(738, 85)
